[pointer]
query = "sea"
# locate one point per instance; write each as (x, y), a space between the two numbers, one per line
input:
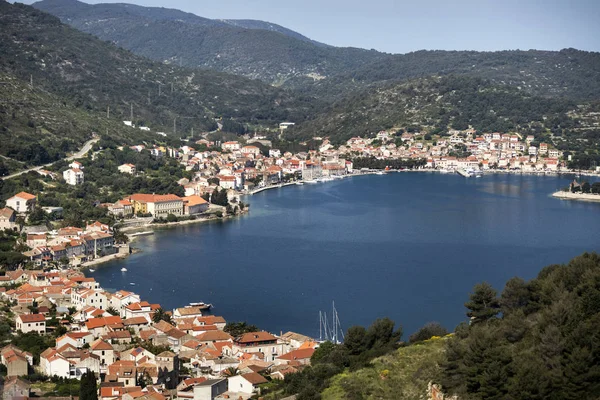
(409, 246)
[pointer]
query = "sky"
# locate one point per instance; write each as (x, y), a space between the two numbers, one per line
(400, 26)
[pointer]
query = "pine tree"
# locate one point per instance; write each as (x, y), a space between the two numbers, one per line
(483, 303)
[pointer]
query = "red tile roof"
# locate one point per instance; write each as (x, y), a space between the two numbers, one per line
(32, 318)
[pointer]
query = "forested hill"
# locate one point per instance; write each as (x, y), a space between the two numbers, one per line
(74, 70)
(435, 104)
(567, 73)
(250, 48)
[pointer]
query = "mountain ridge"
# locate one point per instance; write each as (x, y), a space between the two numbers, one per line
(243, 47)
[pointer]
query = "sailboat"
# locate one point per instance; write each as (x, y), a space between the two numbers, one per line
(330, 331)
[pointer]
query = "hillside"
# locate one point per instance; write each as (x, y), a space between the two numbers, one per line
(437, 104)
(254, 49)
(75, 71)
(567, 73)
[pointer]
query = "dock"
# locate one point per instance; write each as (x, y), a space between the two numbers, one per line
(464, 173)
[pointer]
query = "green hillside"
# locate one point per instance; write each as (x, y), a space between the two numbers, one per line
(253, 49)
(78, 78)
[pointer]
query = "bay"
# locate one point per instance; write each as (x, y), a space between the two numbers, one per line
(409, 246)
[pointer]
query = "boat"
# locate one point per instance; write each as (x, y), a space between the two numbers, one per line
(312, 181)
(444, 171)
(92, 270)
(123, 269)
(299, 183)
(380, 173)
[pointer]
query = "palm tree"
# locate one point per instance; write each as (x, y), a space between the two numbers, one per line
(231, 371)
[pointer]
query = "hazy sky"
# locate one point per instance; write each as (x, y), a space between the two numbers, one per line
(400, 26)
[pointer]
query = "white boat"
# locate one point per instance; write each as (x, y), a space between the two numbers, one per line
(312, 181)
(444, 171)
(123, 269)
(299, 183)
(92, 270)
(380, 173)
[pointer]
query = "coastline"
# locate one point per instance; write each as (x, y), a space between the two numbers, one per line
(142, 230)
(577, 196)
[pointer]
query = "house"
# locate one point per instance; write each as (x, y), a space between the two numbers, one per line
(295, 340)
(104, 351)
(73, 176)
(246, 383)
(76, 165)
(191, 311)
(127, 169)
(262, 343)
(250, 151)
(53, 364)
(8, 218)
(301, 356)
(31, 323)
(122, 299)
(210, 389)
(121, 208)
(231, 146)
(103, 325)
(16, 360)
(74, 339)
(194, 205)
(159, 206)
(15, 388)
(22, 202)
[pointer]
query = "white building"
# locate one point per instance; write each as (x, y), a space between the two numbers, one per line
(22, 202)
(231, 146)
(31, 323)
(73, 176)
(127, 169)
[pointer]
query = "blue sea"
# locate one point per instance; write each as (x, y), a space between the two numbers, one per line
(409, 246)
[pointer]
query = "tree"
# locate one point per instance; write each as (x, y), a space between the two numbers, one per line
(112, 311)
(427, 332)
(483, 303)
(356, 340)
(161, 315)
(586, 187)
(239, 328)
(88, 389)
(172, 218)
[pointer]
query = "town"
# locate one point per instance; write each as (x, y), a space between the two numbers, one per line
(135, 349)
(215, 175)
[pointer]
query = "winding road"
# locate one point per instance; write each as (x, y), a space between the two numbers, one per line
(82, 152)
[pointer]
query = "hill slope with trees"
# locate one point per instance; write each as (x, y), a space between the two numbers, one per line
(254, 49)
(50, 69)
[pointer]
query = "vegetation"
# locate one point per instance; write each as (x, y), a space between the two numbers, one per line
(60, 84)
(248, 48)
(88, 389)
(239, 328)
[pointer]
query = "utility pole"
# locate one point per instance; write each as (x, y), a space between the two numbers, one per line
(107, 112)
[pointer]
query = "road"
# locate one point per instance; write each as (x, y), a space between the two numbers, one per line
(82, 152)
